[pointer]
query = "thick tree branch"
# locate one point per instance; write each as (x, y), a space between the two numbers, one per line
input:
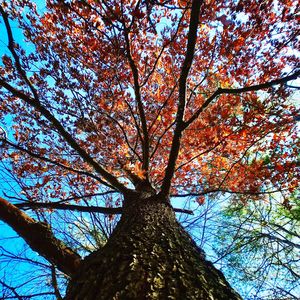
(11, 47)
(251, 88)
(187, 63)
(137, 92)
(35, 102)
(40, 238)
(67, 136)
(92, 209)
(46, 159)
(55, 283)
(196, 194)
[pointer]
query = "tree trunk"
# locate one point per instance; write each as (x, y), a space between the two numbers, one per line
(148, 256)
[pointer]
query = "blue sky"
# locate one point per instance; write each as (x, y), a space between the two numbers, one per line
(8, 238)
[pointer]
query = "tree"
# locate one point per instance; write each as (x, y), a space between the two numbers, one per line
(259, 243)
(139, 102)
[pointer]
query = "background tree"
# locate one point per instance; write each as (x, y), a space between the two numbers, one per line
(259, 246)
(131, 103)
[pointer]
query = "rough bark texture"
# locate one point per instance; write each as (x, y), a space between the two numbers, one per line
(40, 238)
(149, 256)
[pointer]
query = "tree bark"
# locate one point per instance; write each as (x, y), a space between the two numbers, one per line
(40, 238)
(149, 256)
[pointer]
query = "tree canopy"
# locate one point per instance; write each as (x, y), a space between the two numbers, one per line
(184, 99)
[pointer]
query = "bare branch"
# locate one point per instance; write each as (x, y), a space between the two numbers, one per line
(12, 289)
(61, 206)
(182, 210)
(92, 209)
(67, 199)
(289, 232)
(277, 239)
